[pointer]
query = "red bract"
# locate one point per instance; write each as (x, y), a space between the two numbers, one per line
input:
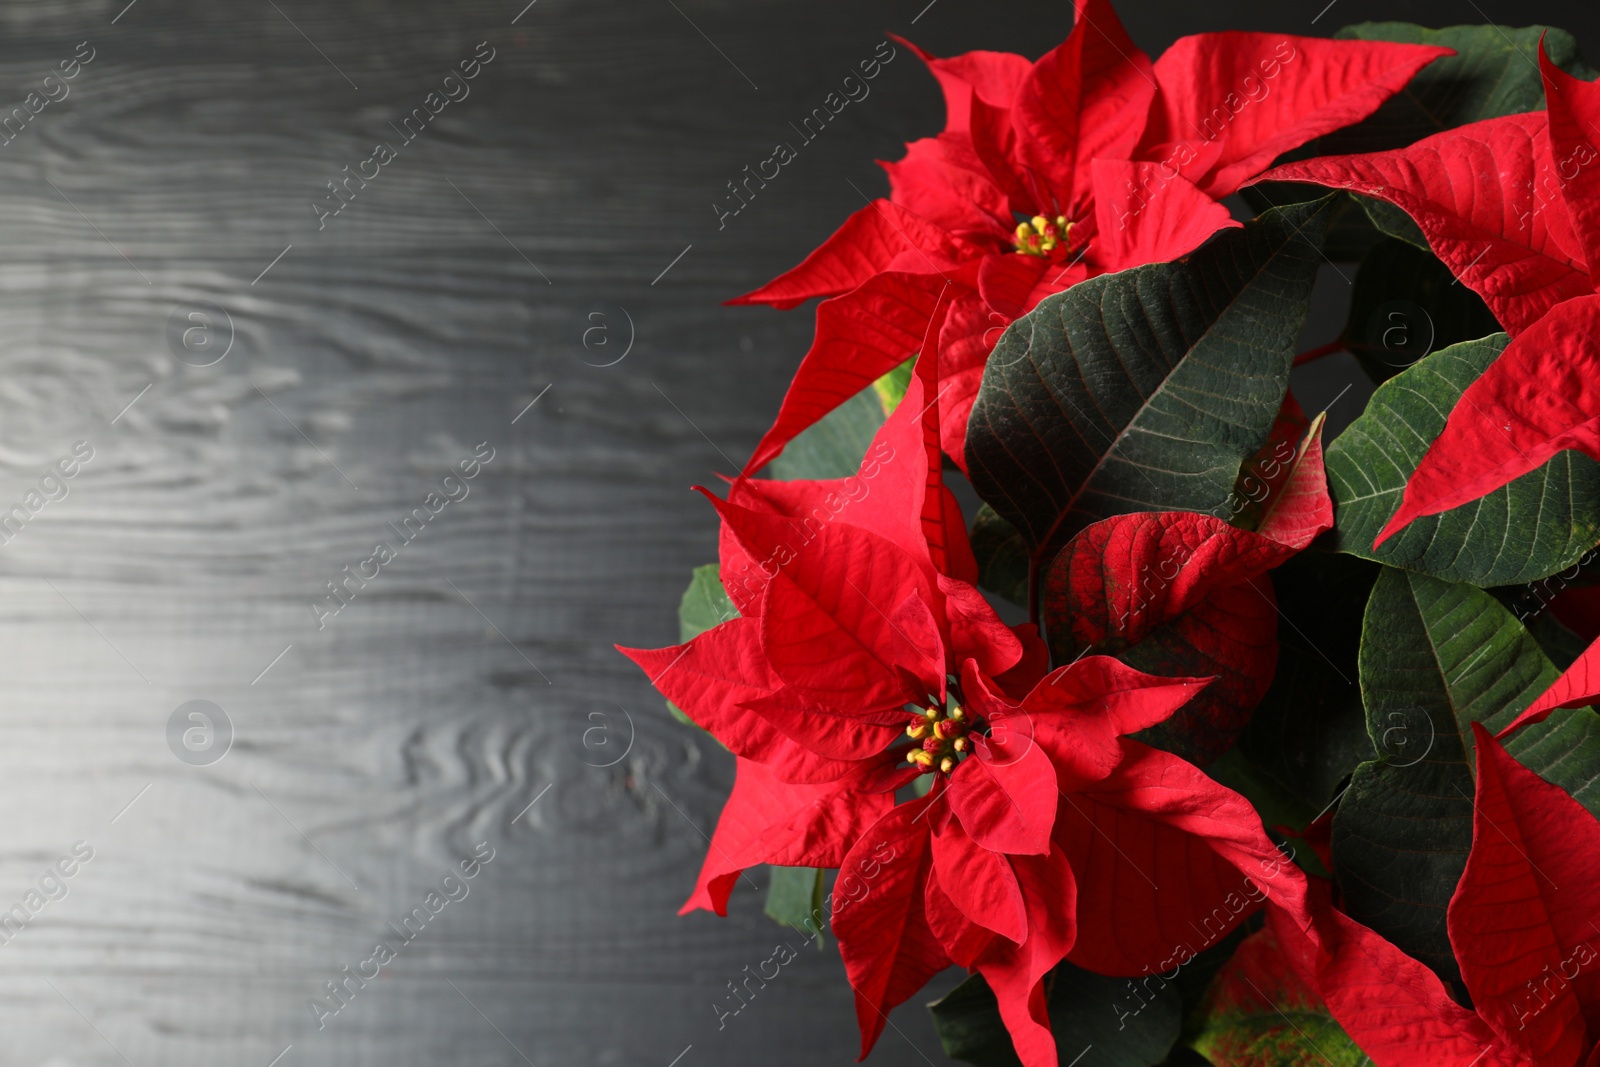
(1092, 159)
(1298, 507)
(847, 615)
(1578, 686)
(1512, 206)
(862, 660)
(1189, 594)
(853, 603)
(990, 872)
(1522, 924)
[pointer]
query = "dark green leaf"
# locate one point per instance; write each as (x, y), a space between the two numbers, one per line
(1405, 304)
(1495, 71)
(1309, 731)
(1350, 232)
(1144, 390)
(969, 1025)
(1109, 1022)
(1539, 524)
(1393, 222)
(1435, 657)
(1560, 644)
(1358, 222)
(1002, 556)
(1533, 602)
(1565, 749)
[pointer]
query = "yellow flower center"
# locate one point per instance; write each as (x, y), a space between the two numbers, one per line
(1040, 236)
(943, 733)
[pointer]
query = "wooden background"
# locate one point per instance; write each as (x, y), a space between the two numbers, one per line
(474, 677)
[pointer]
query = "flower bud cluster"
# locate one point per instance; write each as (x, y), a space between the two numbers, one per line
(944, 735)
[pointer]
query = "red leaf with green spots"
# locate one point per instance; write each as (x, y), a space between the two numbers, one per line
(1178, 593)
(1260, 1013)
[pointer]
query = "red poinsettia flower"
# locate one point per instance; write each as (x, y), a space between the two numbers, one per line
(1522, 923)
(855, 600)
(1091, 159)
(863, 659)
(1148, 862)
(1512, 206)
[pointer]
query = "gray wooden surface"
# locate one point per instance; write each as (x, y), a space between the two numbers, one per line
(473, 677)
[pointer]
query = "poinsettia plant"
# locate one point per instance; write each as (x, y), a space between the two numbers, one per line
(1210, 734)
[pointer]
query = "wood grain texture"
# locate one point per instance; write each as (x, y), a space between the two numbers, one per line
(466, 680)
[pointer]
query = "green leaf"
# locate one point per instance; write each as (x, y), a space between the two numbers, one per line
(794, 898)
(1358, 222)
(1531, 605)
(1539, 524)
(1002, 556)
(1435, 657)
(1405, 304)
(1350, 232)
(1495, 71)
(891, 388)
(1564, 749)
(1144, 390)
(1110, 1022)
(1258, 1013)
(1309, 732)
(1560, 644)
(833, 447)
(705, 604)
(681, 715)
(970, 1028)
(1393, 222)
